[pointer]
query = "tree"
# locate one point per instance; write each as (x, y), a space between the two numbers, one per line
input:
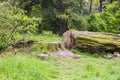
(91, 1)
(63, 25)
(69, 14)
(111, 16)
(100, 8)
(57, 15)
(14, 20)
(119, 3)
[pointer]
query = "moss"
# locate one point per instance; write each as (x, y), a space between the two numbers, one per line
(99, 40)
(98, 44)
(86, 41)
(51, 47)
(39, 48)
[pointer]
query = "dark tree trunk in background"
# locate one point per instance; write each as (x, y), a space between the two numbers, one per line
(91, 1)
(13, 2)
(28, 6)
(63, 26)
(111, 1)
(119, 3)
(100, 8)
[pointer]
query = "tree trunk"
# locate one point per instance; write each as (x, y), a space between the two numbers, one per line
(100, 8)
(63, 26)
(91, 1)
(13, 2)
(119, 3)
(94, 42)
(111, 1)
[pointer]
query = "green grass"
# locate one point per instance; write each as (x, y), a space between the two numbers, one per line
(26, 67)
(45, 37)
(89, 68)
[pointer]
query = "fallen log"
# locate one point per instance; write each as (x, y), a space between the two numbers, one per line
(94, 42)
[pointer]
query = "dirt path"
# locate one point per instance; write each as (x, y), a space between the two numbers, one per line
(64, 54)
(68, 68)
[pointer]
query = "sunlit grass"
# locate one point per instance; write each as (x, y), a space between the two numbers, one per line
(90, 68)
(44, 37)
(26, 67)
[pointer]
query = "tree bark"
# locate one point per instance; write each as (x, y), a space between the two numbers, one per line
(94, 42)
(100, 8)
(91, 1)
(111, 1)
(63, 26)
(119, 3)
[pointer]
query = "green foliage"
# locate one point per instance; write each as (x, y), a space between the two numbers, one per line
(112, 17)
(6, 23)
(77, 22)
(106, 21)
(39, 48)
(96, 23)
(13, 20)
(27, 24)
(73, 14)
(51, 14)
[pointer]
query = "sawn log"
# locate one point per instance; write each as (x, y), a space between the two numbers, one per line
(94, 42)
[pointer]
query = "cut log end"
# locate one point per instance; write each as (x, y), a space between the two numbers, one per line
(43, 56)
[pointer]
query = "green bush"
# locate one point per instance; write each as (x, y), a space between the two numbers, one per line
(77, 22)
(112, 17)
(13, 20)
(96, 23)
(106, 21)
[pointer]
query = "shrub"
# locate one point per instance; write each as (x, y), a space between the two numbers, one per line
(96, 23)
(112, 17)
(13, 19)
(78, 22)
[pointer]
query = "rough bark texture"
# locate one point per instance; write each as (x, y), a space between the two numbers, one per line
(94, 42)
(100, 8)
(91, 1)
(63, 26)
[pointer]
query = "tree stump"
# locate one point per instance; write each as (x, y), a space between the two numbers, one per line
(51, 46)
(43, 56)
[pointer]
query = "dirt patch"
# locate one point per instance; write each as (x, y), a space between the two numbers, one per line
(64, 54)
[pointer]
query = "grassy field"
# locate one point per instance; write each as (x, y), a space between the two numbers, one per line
(29, 67)
(89, 68)
(45, 37)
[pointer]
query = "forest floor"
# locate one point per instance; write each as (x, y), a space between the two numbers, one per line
(28, 67)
